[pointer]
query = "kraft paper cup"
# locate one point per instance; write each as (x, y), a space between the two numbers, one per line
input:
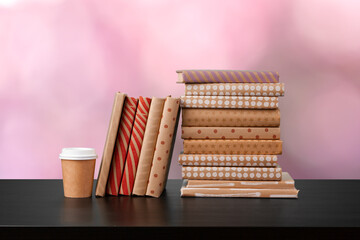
(78, 165)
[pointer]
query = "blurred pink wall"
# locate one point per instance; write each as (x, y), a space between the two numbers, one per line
(61, 62)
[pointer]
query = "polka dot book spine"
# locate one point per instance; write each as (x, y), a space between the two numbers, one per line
(163, 149)
(231, 132)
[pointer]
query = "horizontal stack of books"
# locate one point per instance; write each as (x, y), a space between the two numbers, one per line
(231, 132)
(138, 147)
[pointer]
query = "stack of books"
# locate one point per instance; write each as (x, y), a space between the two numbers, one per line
(138, 147)
(231, 132)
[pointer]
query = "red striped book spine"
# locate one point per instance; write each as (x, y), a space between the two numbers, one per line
(121, 146)
(137, 135)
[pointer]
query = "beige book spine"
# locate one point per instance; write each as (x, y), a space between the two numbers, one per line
(286, 182)
(148, 147)
(109, 144)
(239, 192)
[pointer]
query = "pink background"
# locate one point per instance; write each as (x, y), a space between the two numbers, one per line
(61, 62)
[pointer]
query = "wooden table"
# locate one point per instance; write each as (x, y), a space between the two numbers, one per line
(36, 209)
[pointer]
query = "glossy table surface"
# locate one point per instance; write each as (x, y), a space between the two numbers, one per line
(40, 203)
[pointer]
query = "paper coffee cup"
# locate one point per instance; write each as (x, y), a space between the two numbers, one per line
(78, 165)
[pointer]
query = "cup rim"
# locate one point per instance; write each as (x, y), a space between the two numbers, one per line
(89, 155)
(77, 158)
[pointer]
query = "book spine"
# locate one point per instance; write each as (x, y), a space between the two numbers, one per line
(228, 160)
(232, 173)
(121, 146)
(239, 192)
(240, 147)
(218, 76)
(230, 133)
(148, 146)
(230, 117)
(287, 182)
(229, 102)
(109, 144)
(235, 89)
(136, 139)
(239, 184)
(161, 159)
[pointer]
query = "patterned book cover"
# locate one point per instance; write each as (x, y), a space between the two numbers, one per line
(232, 173)
(148, 147)
(227, 76)
(121, 146)
(230, 117)
(163, 150)
(228, 160)
(229, 102)
(286, 182)
(109, 144)
(230, 133)
(235, 89)
(245, 147)
(136, 139)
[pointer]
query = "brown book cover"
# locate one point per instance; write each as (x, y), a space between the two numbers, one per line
(246, 133)
(192, 117)
(109, 144)
(286, 182)
(246, 147)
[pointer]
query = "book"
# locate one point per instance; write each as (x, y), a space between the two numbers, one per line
(148, 146)
(121, 146)
(233, 102)
(228, 160)
(235, 89)
(240, 147)
(246, 133)
(286, 182)
(232, 173)
(227, 76)
(230, 117)
(163, 148)
(239, 192)
(109, 144)
(136, 139)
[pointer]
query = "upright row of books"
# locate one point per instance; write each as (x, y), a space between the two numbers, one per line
(138, 148)
(231, 132)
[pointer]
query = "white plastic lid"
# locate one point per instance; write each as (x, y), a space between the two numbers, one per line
(78, 153)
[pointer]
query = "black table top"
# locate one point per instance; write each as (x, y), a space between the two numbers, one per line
(40, 203)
